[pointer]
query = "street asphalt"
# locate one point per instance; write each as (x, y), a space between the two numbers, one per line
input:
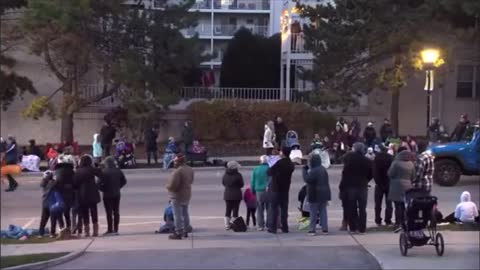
(142, 204)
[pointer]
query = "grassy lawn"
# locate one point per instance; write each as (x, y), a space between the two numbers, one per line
(448, 227)
(10, 261)
(33, 240)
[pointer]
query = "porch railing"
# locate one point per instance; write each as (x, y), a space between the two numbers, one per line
(265, 94)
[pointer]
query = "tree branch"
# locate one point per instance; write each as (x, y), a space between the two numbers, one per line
(51, 65)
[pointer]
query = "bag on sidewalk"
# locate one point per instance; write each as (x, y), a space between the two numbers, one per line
(238, 225)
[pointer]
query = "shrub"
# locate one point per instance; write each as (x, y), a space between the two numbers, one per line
(244, 120)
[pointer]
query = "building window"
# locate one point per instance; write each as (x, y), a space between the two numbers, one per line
(468, 81)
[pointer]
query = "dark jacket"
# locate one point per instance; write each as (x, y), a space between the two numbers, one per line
(357, 171)
(318, 187)
(112, 180)
(459, 132)
(11, 154)
(64, 176)
(281, 174)
(187, 135)
(35, 150)
(84, 182)
(369, 134)
(47, 185)
(233, 183)
(381, 164)
(151, 140)
(386, 131)
(280, 132)
(107, 134)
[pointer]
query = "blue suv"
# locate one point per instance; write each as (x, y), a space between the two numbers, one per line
(457, 158)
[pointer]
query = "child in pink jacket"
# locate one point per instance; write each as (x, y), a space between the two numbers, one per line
(251, 203)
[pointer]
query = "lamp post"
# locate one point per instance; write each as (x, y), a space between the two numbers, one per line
(429, 58)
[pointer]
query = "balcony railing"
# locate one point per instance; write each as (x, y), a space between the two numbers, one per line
(298, 44)
(225, 30)
(254, 94)
(230, 30)
(233, 5)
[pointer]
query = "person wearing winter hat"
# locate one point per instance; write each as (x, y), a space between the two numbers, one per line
(233, 183)
(179, 187)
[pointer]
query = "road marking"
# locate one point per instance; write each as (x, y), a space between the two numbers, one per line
(28, 223)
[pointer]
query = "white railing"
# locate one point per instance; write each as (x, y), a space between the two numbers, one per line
(230, 29)
(298, 43)
(265, 94)
(92, 90)
(232, 5)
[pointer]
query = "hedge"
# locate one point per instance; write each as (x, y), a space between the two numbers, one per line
(245, 120)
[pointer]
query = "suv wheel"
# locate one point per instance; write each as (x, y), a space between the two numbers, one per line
(447, 172)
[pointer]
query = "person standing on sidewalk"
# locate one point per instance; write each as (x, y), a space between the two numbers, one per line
(11, 158)
(357, 172)
(424, 169)
(401, 174)
(381, 164)
(47, 184)
(233, 183)
(88, 193)
(179, 187)
(259, 185)
(269, 138)
(318, 193)
(64, 176)
(281, 174)
(110, 184)
(107, 134)
(187, 136)
(151, 145)
(280, 132)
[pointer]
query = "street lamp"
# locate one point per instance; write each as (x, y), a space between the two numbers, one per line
(429, 59)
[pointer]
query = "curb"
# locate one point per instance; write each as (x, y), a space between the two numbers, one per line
(53, 262)
(380, 263)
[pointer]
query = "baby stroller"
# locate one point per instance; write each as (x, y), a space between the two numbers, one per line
(292, 140)
(293, 143)
(124, 154)
(419, 215)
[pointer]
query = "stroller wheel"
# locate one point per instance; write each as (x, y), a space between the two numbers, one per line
(439, 244)
(403, 244)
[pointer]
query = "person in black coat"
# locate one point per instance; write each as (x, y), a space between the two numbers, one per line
(460, 128)
(386, 130)
(107, 134)
(151, 145)
(381, 164)
(369, 134)
(88, 193)
(64, 176)
(281, 178)
(233, 183)
(280, 132)
(110, 184)
(47, 184)
(11, 158)
(357, 172)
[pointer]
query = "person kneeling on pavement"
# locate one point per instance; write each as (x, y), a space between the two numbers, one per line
(179, 187)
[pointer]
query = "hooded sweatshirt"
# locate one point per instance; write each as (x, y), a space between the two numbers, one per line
(316, 178)
(401, 173)
(466, 210)
(97, 147)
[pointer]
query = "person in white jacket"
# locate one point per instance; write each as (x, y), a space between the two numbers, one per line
(269, 138)
(466, 211)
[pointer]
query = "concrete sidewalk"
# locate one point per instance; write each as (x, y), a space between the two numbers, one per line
(462, 251)
(52, 247)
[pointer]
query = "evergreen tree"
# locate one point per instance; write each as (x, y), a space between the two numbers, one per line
(363, 44)
(12, 85)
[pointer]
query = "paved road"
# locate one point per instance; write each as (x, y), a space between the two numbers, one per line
(142, 205)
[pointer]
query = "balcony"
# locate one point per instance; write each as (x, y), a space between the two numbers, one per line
(233, 5)
(253, 94)
(229, 30)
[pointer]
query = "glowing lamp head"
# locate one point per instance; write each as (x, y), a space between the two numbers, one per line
(430, 56)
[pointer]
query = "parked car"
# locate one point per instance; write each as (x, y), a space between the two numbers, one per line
(455, 159)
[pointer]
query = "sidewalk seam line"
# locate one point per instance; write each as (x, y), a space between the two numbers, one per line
(380, 263)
